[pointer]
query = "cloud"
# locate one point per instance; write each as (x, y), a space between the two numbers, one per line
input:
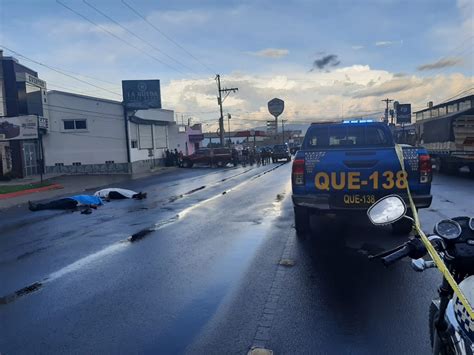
(387, 43)
(271, 53)
(399, 75)
(442, 63)
(329, 60)
(357, 47)
(388, 87)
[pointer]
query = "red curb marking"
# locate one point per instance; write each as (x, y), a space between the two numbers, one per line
(30, 191)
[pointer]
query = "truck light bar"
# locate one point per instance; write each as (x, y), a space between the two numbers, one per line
(357, 121)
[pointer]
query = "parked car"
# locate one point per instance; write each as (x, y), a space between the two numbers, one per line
(281, 151)
(209, 156)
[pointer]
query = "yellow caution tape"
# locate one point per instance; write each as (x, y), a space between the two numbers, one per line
(431, 250)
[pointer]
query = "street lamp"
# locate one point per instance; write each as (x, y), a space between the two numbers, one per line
(283, 130)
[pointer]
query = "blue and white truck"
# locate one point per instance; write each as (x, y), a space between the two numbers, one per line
(345, 167)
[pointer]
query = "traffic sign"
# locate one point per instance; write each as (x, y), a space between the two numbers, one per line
(276, 107)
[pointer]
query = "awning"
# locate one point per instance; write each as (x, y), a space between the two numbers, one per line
(139, 120)
(194, 138)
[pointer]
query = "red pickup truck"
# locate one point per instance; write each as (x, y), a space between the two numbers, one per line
(209, 156)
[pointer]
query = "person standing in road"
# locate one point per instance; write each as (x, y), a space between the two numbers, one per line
(115, 193)
(68, 203)
(167, 157)
(235, 157)
(176, 157)
(180, 158)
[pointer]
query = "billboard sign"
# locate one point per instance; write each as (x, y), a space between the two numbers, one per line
(403, 113)
(141, 94)
(20, 127)
(276, 107)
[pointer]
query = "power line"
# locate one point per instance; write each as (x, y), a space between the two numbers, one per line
(448, 99)
(120, 38)
(70, 89)
(452, 52)
(458, 94)
(57, 70)
(97, 114)
(135, 35)
(92, 78)
(165, 35)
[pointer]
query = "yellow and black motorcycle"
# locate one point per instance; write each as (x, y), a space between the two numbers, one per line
(451, 248)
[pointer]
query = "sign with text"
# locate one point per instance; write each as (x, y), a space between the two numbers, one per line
(403, 113)
(141, 94)
(20, 127)
(276, 107)
(30, 79)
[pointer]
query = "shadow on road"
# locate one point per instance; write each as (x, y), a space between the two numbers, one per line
(353, 303)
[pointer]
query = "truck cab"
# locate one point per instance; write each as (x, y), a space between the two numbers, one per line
(346, 167)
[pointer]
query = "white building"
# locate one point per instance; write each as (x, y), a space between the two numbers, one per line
(149, 137)
(86, 134)
(91, 135)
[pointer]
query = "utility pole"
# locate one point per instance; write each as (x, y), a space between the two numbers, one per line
(283, 130)
(228, 126)
(387, 101)
(219, 102)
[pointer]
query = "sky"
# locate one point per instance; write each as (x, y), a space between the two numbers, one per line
(326, 59)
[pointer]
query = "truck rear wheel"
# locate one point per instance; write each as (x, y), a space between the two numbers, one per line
(471, 170)
(302, 215)
(447, 167)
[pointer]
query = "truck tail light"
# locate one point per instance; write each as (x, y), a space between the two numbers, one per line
(424, 166)
(297, 172)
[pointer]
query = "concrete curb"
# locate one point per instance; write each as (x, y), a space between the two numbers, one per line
(42, 195)
(30, 191)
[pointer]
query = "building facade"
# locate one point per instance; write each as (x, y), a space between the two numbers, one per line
(148, 132)
(90, 135)
(86, 135)
(22, 94)
(65, 133)
(186, 139)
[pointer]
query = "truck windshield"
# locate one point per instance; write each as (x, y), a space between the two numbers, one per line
(347, 136)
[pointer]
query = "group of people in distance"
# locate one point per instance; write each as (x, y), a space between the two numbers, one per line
(173, 158)
(87, 202)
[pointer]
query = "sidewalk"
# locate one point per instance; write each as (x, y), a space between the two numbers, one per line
(72, 184)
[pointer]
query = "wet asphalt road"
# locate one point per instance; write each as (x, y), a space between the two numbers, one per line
(203, 273)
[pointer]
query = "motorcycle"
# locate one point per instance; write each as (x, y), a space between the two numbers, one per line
(451, 327)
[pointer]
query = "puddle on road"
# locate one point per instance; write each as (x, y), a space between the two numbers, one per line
(271, 213)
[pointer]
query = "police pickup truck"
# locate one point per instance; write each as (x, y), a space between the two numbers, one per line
(345, 167)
